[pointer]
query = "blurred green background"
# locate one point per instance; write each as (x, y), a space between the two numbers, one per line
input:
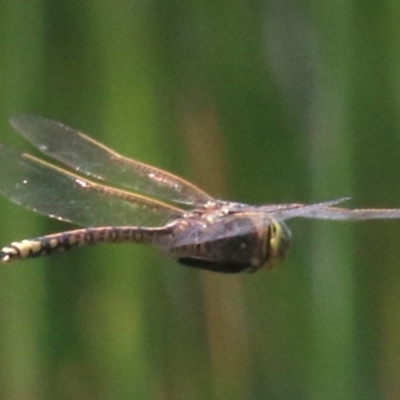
(259, 102)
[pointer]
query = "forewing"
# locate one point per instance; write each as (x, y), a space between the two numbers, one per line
(60, 194)
(325, 210)
(281, 212)
(93, 159)
(346, 214)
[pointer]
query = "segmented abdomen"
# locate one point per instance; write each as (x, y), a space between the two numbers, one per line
(49, 244)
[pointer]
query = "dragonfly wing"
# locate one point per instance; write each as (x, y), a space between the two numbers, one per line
(60, 194)
(325, 210)
(281, 212)
(91, 158)
(346, 214)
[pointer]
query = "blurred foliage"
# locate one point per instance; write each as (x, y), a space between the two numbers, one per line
(274, 101)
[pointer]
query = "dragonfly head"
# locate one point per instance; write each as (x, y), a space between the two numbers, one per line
(279, 241)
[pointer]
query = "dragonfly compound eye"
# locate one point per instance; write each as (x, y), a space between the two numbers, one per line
(279, 242)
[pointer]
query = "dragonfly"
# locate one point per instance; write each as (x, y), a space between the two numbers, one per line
(115, 199)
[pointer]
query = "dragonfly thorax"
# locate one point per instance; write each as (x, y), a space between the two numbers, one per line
(220, 239)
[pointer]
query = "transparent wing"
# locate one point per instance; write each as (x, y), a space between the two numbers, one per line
(91, 158)
(325, 210)
(346, 214)
(60, 194)
(282, 212)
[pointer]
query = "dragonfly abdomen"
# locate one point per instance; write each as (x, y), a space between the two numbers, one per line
(57, 242)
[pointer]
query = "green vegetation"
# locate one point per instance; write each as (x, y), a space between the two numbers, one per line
(255, 102)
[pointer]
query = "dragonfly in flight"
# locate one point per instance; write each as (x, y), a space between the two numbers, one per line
(116, 199)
